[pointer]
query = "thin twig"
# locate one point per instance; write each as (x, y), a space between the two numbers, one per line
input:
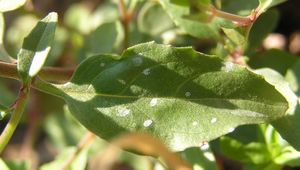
(19, 107)
(125, 20)
(51, 74)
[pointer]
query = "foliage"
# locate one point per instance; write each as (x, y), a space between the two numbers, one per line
(136, 68)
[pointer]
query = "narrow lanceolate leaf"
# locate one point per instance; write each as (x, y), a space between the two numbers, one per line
(178, 95)
(36, 47)
(9, 5)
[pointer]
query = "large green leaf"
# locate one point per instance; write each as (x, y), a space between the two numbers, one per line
(288, 126)
(8, 5)
(36, 47)
(176, 94)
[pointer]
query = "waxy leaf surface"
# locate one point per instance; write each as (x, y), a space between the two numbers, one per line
(36, 47)
(178, 95)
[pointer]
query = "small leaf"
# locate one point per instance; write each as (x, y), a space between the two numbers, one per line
(179, 13)
(293, 77)
(153, 19)
(266, 4)
(9, 5)
(176, 94)
(3, 166)
(253, 153)
(79, 163)
(36, 47)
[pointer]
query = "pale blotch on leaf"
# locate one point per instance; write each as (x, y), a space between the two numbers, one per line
(228, 66)
(137, 61)
(153, 102)
(231, 130)
(102, 64)
(213, 120)
(195, 123)
(188, 94)
(123, 112)
(209, 156)
(146, 71)
(148, 123)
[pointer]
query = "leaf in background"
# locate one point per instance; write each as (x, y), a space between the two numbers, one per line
(3, 166)
(293, 77)
(153, 20)
(266, 4)
(259, 31)
(237, 36)
(104, 38)
(194, 28)
(60, 129)
(199, 159)
(176, 94)
(36, 47)
(79, 163)
(9, 5)
(252, 153)
(275, 59)
(287, 126)
(239, 7)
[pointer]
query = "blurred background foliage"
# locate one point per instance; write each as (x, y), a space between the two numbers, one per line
(48, 134)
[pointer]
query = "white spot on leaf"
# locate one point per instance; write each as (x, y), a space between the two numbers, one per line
(209, 156)
(146, 71)
(137, 61)
(188, 94)
(195, 123)
(231, 130)
(153, 102)
(204, 146)
(123, 112)
(228, 66)
(213, 120)
(147, 123)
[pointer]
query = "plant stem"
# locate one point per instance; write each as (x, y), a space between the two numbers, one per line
(85, 141)
(51, 74)
(125, 19)
(239, 20)
(19, 106)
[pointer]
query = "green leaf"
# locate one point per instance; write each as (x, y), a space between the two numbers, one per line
(104, 38)
(3, 166)
(199, 159)
(253, 153)
(9, 5)
(275, 59)
(176, 94)
(287, 126)
(266, 4)
(153, 20)
(293, 77)
(259, 31)
(194, 28)
(79, 163)
(36, 47)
